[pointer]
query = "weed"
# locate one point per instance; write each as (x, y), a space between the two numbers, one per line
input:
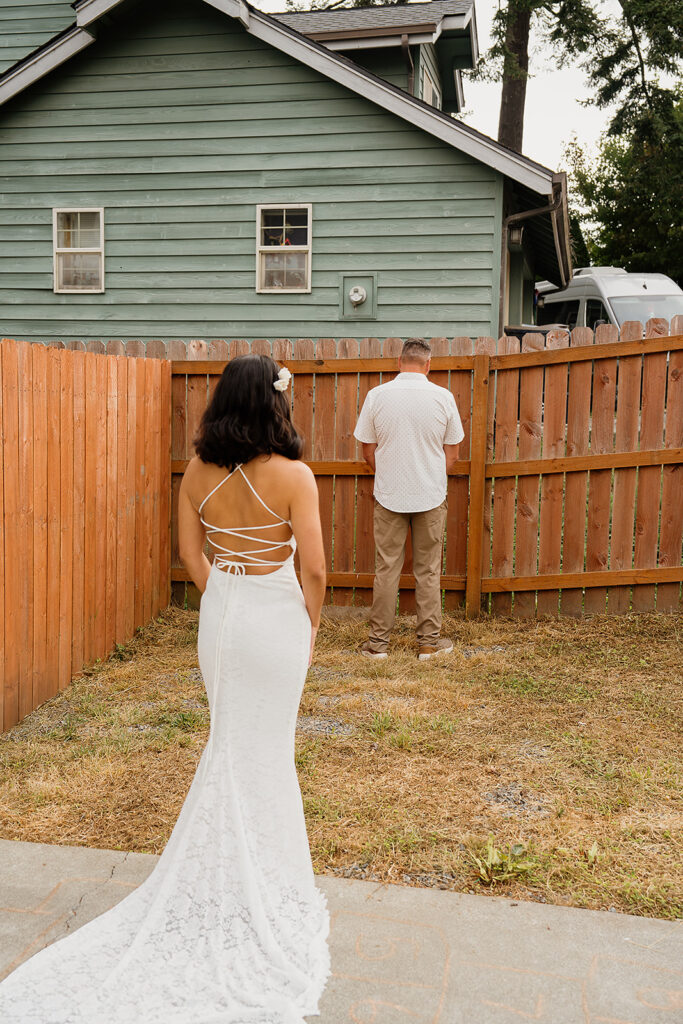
(493, 865)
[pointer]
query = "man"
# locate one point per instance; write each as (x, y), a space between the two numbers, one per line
(409, 430)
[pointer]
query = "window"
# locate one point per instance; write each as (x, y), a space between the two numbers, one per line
(283, 248)
(78, 250)
(430, 91)
(565, 312)
(595, 313)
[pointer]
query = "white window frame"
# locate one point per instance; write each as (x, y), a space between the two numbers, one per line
(436, 92)
(261, 249)
(57, 250)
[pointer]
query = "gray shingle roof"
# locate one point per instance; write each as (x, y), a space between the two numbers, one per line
(392, 16)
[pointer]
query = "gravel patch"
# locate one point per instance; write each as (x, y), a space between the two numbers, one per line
(471, 652)
(517, 801)
(310, 724)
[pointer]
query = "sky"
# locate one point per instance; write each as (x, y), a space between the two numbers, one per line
(553, 111)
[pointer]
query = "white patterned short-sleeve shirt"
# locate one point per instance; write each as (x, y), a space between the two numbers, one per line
(410, 420)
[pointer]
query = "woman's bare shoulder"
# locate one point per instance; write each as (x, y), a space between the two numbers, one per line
(291, 469)
(198, 477)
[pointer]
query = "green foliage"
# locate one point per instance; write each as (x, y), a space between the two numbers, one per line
(645, 41)
(494, 865)
(570, 27)
(632, 196)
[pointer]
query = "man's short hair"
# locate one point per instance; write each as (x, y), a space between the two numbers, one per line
(416, 350)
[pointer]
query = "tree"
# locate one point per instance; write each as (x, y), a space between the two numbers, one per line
(632, 196)
(569, 26)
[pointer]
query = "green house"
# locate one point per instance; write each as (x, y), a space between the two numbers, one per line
(188, 169)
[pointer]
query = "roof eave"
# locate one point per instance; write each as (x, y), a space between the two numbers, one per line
(55, 52)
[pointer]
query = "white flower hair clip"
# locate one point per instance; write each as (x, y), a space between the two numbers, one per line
(283, 379)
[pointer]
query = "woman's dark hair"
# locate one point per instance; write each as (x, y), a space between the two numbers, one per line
(246, 416)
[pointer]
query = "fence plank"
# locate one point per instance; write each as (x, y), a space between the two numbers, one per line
(552, 484)
(111, 502)
(91, 526)
(26, 575)
(370, 348)
(78, 513)
(302, 397)
(140, 511)
(154, 438)
(505, 449)
(41, 689)
(54, 363)
(100, 611)
(669, 594)
(176, 350)
(600, 484)
(323, 441)
(345, 486)
(150, 439)
(576, 485)
(67, 554)
(530, 410)
(650, 477)
(624, 491)
(165, 486)
(13, 560)
(122, 365)
(132, 497)
(475, 539)
(488, 346)
(2, 548)
(458, 487)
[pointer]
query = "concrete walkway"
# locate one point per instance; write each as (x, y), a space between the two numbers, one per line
(400, 954)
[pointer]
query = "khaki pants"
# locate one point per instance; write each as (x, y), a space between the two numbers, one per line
(391, 532)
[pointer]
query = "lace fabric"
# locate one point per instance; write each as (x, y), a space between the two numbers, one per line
(230, 926)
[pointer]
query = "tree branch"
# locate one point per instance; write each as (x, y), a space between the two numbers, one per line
(636, 44)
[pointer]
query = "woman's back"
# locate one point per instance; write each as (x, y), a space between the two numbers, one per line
(246, 511)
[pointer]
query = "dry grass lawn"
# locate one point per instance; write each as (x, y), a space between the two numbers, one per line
(542, 760)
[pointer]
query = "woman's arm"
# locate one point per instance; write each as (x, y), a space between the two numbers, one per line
(305, 519)
(191, 537)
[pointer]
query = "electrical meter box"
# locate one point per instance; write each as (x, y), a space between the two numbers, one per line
(358, 297)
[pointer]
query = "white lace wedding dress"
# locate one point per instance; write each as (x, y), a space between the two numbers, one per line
(230, 927)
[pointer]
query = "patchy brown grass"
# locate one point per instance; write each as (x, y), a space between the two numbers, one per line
(542, 760)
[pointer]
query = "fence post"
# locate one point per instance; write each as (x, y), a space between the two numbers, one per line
(475, 531)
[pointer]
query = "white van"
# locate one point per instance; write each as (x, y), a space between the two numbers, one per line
(608, 295)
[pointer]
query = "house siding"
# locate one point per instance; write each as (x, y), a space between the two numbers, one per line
(24, 26)
(178, 125)
(428, 60)
(385, 62)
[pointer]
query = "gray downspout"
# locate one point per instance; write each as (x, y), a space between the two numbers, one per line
(516, 218)
(408, 57)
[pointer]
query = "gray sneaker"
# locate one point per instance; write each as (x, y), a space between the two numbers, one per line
(442, 646)
(368, 650)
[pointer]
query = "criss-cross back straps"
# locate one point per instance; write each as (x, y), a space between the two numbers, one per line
(227, 558)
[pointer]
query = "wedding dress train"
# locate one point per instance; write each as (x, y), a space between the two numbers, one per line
(230, 927)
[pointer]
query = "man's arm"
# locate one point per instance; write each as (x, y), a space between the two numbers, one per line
(369, 454)
(451, 453)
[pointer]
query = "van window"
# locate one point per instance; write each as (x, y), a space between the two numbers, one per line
(644, 307)
(565, 312)
(595, 311)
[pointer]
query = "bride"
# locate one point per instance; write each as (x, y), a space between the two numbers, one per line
(230, 927)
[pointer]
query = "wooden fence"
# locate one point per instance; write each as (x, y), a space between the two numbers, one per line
(84, 511)
(568, 495)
